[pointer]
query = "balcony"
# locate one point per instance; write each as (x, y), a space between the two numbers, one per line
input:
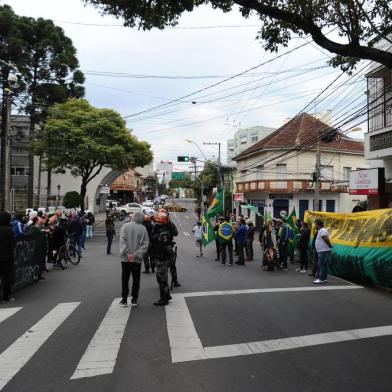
(287, 186)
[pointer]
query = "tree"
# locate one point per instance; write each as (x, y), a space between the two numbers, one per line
(360, 24)
(210, 179)
(72, 200)
(48, 64)
(84, 139)
(181, 183)
(50, 74)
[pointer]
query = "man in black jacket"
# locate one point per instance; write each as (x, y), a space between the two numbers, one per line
(7, 246)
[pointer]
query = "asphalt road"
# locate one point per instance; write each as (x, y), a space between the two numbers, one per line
(227, 329)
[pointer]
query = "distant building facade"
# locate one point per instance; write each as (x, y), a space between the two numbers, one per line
(243, 139)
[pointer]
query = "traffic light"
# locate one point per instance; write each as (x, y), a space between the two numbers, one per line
(183, 159)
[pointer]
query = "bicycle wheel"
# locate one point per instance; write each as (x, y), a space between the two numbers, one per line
(61, 259)
(73, 255)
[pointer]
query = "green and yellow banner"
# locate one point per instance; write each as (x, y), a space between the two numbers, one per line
(207, 231)
(362, 244)
(216, 206)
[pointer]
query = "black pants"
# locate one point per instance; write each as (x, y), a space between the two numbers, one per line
(304, 258)
(109, 236)
(217, 244)
(229, 246)
(283, 254)
(5, 272)
(127, 268)
(249, 249)
(241, 252)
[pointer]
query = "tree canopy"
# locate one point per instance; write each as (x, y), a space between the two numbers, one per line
(185, 182)
(359, 24)
(84, 139)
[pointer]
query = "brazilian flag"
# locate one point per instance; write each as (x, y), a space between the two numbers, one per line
(291, 221)
(207, 231)
(216, 206)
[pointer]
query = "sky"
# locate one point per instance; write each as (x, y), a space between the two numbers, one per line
(134, 71)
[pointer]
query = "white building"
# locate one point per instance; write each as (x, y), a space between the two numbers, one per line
(378, 139)
(243, 139)
(164, 171)
(277, 172)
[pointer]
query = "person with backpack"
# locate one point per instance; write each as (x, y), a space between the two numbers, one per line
(162, 236)
(241, 237)
(198, 240)
(225, 233)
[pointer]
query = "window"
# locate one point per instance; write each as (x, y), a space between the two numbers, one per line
(254, 138)
(259, 172)
(346, 171)
(326, 172)
(243, 140)
(18, 151)
(281, 170)
(19, 171)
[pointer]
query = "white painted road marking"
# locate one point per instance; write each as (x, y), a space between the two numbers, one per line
(186, 234)
(101, 354)
(185, 344)
(187, 217)
(7, 312)
(268, 346)
(20, 352)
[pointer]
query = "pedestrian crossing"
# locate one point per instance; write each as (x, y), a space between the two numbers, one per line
(99, 358)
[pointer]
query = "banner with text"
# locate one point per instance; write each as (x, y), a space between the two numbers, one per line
(362, 244)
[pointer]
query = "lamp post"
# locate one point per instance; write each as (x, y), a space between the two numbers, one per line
(202, 153)
(5, 160)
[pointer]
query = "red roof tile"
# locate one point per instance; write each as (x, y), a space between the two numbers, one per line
(300, 132)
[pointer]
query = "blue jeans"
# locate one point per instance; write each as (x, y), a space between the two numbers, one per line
(323, 258)
(78, 243)
(89, 231)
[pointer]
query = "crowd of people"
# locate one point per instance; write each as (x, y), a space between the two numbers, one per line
(52, 230)
(279, 242)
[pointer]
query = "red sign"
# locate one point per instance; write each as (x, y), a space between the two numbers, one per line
(238, 196)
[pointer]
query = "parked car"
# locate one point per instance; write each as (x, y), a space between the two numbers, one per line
(164, 197)
(175, 207)
(148, 203)
(130, 208)
(114, 203)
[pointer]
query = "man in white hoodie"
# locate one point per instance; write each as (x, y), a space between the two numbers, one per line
(133, 246)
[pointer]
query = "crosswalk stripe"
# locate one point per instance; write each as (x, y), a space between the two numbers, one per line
(186, 234)
(101, 354)
(7, 312)
(20, 352)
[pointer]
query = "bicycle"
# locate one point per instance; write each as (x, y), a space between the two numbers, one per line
(68, 253)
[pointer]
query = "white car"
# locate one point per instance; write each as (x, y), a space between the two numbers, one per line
(148, 203)
(130, 208)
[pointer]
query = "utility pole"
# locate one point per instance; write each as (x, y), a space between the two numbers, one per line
(219, 158)
(316, 176)
(194, 160)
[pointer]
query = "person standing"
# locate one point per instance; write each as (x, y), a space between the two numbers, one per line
(198, 241)
(7, 246)
(250, 236)
(217, 242)
(241, 236)
(283, 241)
(110, 232)
(134, 244)
(225, 233)
(149, 261)
(323, 248)
(162, 235)
(89, 225)
(303, 246)
(75, 230)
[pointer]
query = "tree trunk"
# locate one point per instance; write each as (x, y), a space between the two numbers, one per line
(83, 191)
(39, 180)
(49, 187)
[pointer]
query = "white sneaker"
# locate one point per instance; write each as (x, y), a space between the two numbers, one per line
(303, 271)
(298, 270)
(318, 281)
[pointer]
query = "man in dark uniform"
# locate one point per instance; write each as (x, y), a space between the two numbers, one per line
(162, 235)
(149, 260)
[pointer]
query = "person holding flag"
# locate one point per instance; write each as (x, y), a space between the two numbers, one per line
(225, 234)
(198, 238)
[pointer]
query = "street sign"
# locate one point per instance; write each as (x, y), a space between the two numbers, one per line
(366, 181)
(178, 175)
(238, 196)
(105, 189)
(183, 158)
